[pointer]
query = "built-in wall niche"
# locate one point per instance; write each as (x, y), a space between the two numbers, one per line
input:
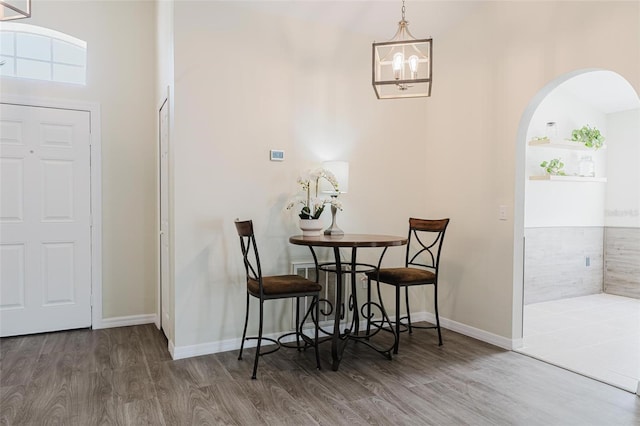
(601, 100)
(563, 197)
(578, 161)
(549, 141)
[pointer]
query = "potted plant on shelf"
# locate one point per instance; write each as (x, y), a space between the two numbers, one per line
(590, 137)
(553, 167)
(312, 205)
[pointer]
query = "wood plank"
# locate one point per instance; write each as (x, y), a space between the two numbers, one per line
(11, 402)
(622, 262)
(143, 412)
(93, 399)
(132, 384)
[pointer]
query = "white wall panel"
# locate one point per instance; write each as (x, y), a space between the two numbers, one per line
(622, 207)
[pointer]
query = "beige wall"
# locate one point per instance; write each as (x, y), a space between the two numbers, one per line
(120, 77)
(490, 69)
(306, 89)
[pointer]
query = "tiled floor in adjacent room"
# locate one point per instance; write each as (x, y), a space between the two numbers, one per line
(597, 336)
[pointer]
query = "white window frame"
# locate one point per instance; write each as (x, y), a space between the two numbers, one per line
(51, 35)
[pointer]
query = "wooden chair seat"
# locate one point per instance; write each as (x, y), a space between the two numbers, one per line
(403, 276)
(282, 284)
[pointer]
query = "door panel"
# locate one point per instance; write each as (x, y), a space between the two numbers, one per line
(57, 191)
(12, 271)
(58, 279)
(11, 190)
(45, 219)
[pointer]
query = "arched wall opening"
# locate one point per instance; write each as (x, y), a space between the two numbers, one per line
(562, 212)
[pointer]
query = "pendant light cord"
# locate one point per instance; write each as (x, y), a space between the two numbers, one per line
(403, 9)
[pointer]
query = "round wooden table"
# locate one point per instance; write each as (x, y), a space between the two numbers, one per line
(352, 241)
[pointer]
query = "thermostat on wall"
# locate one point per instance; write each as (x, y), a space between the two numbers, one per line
(277, 155)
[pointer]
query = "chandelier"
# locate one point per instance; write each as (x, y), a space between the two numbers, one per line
(402, 65)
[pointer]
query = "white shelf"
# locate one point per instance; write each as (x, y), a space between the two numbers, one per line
(555, 178)
(564, 144)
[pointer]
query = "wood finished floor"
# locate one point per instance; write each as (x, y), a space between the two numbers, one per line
(125, 376)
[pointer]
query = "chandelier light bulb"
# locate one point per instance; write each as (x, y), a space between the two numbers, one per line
(398, 60)
(413, 65)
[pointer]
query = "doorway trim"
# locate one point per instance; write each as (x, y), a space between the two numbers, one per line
(96, 185)
(159, 318)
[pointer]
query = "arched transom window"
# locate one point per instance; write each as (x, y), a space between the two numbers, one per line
(29, 51)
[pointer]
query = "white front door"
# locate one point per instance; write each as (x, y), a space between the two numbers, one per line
(45, 219)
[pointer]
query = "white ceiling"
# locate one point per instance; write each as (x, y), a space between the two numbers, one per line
(375, 18)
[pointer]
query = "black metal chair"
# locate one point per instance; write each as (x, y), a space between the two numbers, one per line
(421, 268)
(274, 287)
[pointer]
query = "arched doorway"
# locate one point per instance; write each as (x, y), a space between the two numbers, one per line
(577, 232)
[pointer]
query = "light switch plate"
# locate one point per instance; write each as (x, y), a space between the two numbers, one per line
(502, 212)
(276, 155)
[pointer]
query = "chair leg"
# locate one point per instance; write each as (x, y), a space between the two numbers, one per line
(435, 300)
(385, 315)
(317, 302)
(406, 299)
(395, 347)
(368, 306)
(255, 363)
(244, 332)
(298, 325)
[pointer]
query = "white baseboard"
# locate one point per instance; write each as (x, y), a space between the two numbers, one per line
(467, 330)
(126, 321)
(517, 344)
(234, 344)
